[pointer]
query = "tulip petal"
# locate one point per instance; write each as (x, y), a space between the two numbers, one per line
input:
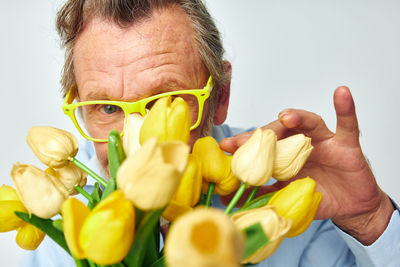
(52, 146)
(215, 165)
(107, 233)
(74, 213)
(253, 161)
(204, 237)
(133, 124)
(8, 220)
(41, 193)
(8, 193)
(275, 228)
(29, 237)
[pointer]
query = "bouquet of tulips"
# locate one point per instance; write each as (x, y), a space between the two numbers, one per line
(156, 183)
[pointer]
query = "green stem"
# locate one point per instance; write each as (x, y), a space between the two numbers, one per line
(84, 193)
(210, 191)
(84, 168)
(235, 199)
(252, 194)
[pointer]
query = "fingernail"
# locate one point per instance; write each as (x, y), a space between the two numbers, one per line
(283, 115)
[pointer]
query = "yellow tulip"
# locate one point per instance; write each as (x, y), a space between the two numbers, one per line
(150, 177)
(189, 190)
(52, 146)
(275, 228)
(8, 220)
(70, 176)
(204, 237)
(299, 202)
(167, 120)
(107, 233)
(74, 213)
(291, 154)
(132, 126)
(8, 193)
(41, 193)
(174, 210)
(253, 161)
(215, 164)
(29, 237)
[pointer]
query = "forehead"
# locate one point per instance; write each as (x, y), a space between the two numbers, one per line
(156, 54)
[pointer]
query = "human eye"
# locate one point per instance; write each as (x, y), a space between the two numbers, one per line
(108, 109)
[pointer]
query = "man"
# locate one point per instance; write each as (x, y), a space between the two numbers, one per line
(130, 50)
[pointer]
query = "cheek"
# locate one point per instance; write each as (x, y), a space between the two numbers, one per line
(101, 152)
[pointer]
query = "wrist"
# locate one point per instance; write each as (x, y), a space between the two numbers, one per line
(367, 227)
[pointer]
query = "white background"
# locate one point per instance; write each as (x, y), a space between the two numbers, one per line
(284, 54)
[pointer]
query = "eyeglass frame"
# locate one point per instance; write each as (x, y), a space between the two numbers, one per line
(139, 106)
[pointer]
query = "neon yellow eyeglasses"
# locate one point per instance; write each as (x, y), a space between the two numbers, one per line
(95, 119)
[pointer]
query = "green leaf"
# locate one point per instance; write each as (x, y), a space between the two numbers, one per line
(143, 235)
(153, 247)
(58, 224)
(255, 239)
(81, 263)
(46, 225)
(159, 263)
(96, 196)
(116, 155)
(258, 202)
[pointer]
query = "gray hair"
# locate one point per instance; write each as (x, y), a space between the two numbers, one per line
(73, 15)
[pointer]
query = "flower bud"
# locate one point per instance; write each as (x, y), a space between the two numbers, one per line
(29, 237)
(151, 176)
(52, 146)
(41, 193)
(132, 126)
(107, 232)
(175, 210)
(299, 202)
(167, 120)
(70, 176)
(291, 154)
(215, 164)
(204, 237)
(275, 228)
(253, 161)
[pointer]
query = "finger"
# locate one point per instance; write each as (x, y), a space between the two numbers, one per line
(347, 126)
(231, 144)
(308, 123)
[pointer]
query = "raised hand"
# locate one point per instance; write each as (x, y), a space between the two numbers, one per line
(351, 196)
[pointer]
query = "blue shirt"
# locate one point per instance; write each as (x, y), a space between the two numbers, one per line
(321, 245)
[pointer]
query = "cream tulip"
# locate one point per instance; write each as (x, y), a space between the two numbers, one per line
(275, 228)
(291, 154)
(132, 126)
(54, 147)
(150, 177)
(253, 161)
(70, 176)
(41, 193)
(204, 237)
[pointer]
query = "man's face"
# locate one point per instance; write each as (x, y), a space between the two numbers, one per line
(151, 57)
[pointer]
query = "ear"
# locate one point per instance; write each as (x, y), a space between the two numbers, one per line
(222, 106)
